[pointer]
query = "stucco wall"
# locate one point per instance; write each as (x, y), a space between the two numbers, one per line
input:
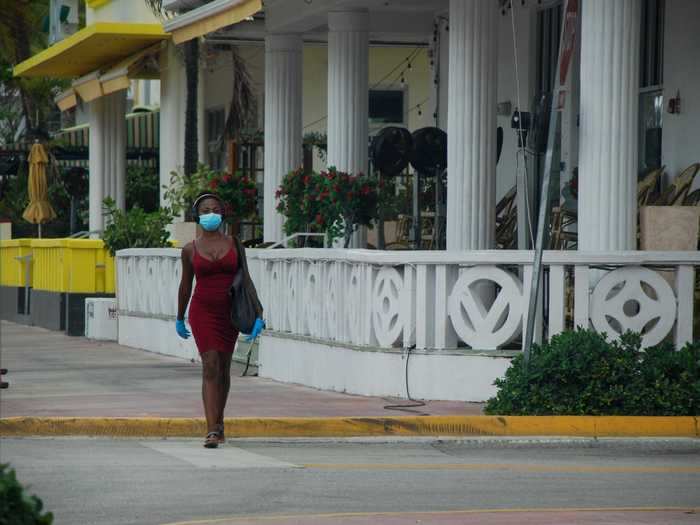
(315, 82)
(681, 132)
(121, 11)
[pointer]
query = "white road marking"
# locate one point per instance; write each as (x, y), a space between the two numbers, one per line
(225, 457)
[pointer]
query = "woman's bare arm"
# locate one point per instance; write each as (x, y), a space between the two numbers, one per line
(185, 291)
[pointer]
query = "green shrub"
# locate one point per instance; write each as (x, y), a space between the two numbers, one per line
(142, 188)
(16, 506)
(135, 228)
(582, 373)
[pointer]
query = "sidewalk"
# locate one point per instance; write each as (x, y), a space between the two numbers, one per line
(54, 375)
(62, 385)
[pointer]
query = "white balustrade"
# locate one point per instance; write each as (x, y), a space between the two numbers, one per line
(437, 300)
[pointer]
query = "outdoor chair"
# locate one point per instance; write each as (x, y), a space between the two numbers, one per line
(403, 229)
(561, 236)
(506, 221)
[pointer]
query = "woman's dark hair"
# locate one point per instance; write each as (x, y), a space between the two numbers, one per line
(203, 196)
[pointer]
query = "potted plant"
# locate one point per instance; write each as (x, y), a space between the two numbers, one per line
(239, 193)
(332, 201)
(135, 228)
(296, 203)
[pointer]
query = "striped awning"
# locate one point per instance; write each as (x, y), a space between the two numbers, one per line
(142, 132)
(210, 17)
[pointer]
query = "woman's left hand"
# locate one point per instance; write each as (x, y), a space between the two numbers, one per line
(257, 328)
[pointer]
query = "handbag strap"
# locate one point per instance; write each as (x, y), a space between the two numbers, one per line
(240, 250)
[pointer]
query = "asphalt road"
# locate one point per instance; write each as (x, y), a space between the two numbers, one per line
(108, 481)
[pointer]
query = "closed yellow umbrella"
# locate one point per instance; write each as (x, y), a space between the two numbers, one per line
(39, 209)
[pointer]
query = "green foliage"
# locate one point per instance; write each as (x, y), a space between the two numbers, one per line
(16, 506)
(135, 228)
(582, 373)
(183, 190)
(142, 188)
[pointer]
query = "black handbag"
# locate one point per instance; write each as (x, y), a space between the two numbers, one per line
(245, 305)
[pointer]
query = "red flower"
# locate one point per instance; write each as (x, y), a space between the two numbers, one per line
(319, 219)
(213, 184)
(306, 180)
(278, 194)
(226, 178)
(350, 195)
(365, 190)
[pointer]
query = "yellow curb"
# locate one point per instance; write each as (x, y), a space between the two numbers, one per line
(570, 426)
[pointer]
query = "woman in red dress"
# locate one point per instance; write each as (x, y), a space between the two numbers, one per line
(213, 259)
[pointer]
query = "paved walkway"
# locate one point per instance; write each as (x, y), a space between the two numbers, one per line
(51, 374)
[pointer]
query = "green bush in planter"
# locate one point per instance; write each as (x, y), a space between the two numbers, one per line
(135, 228)
(16, 506)
(582, 373)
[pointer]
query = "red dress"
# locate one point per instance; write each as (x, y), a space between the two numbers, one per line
(211, 304)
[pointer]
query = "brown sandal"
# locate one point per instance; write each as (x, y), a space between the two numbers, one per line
(212, 440)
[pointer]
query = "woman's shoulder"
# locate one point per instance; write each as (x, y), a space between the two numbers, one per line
(188, 248)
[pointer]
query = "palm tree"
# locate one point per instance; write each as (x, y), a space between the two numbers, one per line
(242, 106)
(19, 39)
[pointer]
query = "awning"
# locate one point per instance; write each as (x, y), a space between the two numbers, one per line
(99, 45)
(67, 100)
(143, 65)
(210, 17)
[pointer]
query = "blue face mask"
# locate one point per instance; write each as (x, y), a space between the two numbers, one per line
(210, 221)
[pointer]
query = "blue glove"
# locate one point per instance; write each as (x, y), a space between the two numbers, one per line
(257, 328)
(181, 329)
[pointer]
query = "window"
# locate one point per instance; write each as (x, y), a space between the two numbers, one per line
(651, 58)
(215, 120)
(386, 106)
(651, 101)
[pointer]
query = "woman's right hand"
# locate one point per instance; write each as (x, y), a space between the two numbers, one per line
(181, 329)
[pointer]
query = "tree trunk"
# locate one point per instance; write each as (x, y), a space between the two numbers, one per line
(192, 74)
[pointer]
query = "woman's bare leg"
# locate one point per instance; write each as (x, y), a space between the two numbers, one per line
(224, 384)
(211, 363)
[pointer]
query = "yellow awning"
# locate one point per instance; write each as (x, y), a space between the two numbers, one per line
(67, 100)
(88, 87)
(210, 17)
(99, 45)
(142, 65)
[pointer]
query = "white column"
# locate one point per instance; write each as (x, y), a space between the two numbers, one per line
(471, 125)
(120, 147)
(172, 116)
(283, 124)
(107, 154)
(96, 163)
(608, 125)
(348, 94)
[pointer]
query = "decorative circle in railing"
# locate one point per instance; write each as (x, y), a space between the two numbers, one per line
(386, 306)
(636, 299)
(478, 325)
